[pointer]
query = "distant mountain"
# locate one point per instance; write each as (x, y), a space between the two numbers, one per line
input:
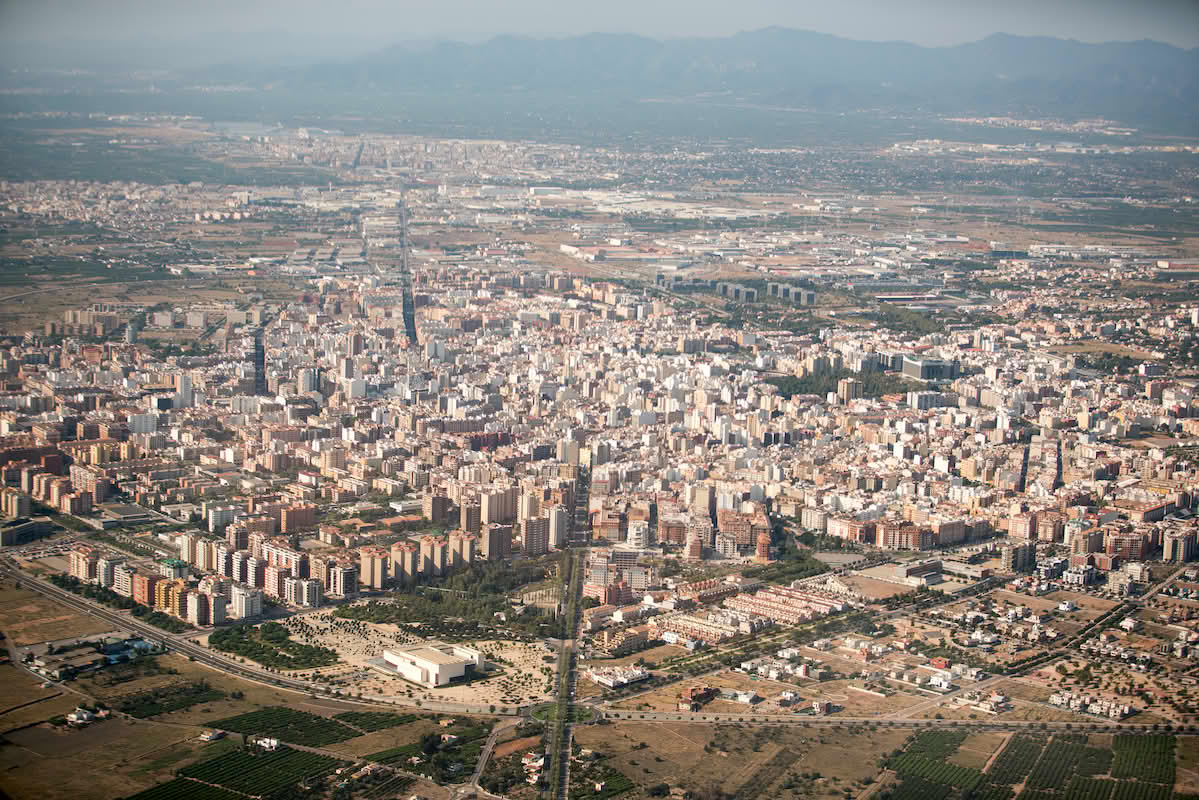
(999, 74)
(1148, 84)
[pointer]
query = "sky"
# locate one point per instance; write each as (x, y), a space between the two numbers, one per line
(378, 22)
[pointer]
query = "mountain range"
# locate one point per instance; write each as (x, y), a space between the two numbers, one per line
(1000, 74)
(1142, 82)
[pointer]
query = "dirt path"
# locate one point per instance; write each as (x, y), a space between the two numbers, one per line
(1006, 739)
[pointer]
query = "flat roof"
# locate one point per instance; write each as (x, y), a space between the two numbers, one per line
(432, 652)
(433, 655)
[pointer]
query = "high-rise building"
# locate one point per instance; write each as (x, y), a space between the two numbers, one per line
(1179, 546)
(1018, 557)
(535, 536)
(435, 507)
(342, 580)
(848, 390)
(247, 602)
(122, 580)
(498, 505)
(434, 555)
(405, 562)
(372, 567)
(297, 518)
(106, 570)
(173, 568)
(258, 361)
(762, 556)
(82, 563)
(470, 517)
(239, 566)
(303, 592)
(217, 609)
(144, 587)
(463, 546)
(529, 507)
(496, 541)
(638, 534)
(197, 608)
(559, 520)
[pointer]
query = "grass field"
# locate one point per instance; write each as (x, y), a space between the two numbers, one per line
(28, 618)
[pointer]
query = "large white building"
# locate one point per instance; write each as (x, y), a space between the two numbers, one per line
(433, 664)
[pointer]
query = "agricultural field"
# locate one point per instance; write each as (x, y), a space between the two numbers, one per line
(371, 721)
(287, 725)
(261, 773)
(1057, 767)
(44, 709)
(1016, 760)
(183, 789)
(165, 700)
(28, 617)
(114, 684)
(1144, 758)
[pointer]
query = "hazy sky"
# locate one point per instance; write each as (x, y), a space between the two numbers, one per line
(928, 22)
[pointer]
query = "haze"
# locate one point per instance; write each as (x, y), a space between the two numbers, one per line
(356, 23)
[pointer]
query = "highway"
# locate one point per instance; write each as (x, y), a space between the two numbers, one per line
(179, 643)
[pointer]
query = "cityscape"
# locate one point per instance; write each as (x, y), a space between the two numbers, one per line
(398, 450)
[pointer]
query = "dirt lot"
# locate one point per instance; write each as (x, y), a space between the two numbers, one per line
(52, 298)
(1087, 604)
(109, 759)
(1023, 690)
(853, 702)
(978, 748)
(653, 655)
(1102, 347)
(42, 710)
(28, 618)
(18, 687)
(666, 698)
(875, 589)
(1187, 763)
(515, 746)
(384, 739)
(680, 755)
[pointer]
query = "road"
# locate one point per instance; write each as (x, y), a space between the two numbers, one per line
(841, 721)
(472, 787)
(56, 288)
(179, 643)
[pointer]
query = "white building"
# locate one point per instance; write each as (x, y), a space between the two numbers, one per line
(434, 663)
(247, 603)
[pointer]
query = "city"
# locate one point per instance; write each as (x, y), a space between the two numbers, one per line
(342, 462)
